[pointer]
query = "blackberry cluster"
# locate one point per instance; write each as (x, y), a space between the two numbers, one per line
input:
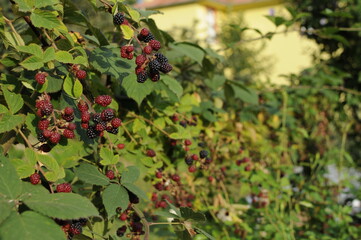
(103, 121)
(171, 189)
(72, 227)
(50, 128)
(127, 52)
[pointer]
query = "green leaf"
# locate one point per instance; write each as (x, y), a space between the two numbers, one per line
(49, 55)
(189, 214)
(55, 84)
(108, 157)
(115, 196)
(64, 57)
(62, 205)
(247, 95)
(191, 51)
(128, 33)
(30, 189)
(32, 63)
(30, 226)
(45, 19)
(45, 3)
(107, 61)
(77, 89)
(68, 86)
(173, 85)
(3, 109)
(10, 184)
(134, 14)
(33, 49)
(136, 190)
(135, 90)
(9, 122)
(55, 171)
(276, 20)
(165, 214)
(130, 174)
(204, 233)
(90, 174)
(5, 209)
(15, 101)
(25, 5)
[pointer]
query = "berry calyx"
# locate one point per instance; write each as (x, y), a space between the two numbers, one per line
(80, 74)
(110, 174)
(64, 187)
(35, 178)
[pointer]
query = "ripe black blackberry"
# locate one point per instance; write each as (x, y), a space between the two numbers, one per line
(161, 58)
(107, 114)
(41, 137)
(142, 77)
(154, 76)
(76, 228)
(121, 231)
(68, 118)
(118, 18)
(203, 154)
(92, 132)
(97, 118)
(148, 38)
(154, 66)
(46, 109)
(133, 198)
(188, 160)
(112, 130)
(165, 68)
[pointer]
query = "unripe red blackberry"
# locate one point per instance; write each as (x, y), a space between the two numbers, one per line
(64, 187)
(35, 178)
(55, 137)
(85, 117)
(162, 204)
(144, 32)
(68, 134)
(130, 56)
(116, 122)
(84, 125)
(68, 111)
(195, 157)
(110, 174)
(159, 186)
(158, 174)
(187, 142)
(40, 78)
(121, 146)
(192, 168)
(210, 178)
(140, 60)
(99, 127)
(118, 18)
(71, 126)
(83, 106)
(176, 177)
(154, 197)
(130, 49)
(155, 45)
(147, 50)
(80, 74)
(47, 133)
(151, 153)
(43, 124)
(248, 167)
(142, 77)
(123, 217)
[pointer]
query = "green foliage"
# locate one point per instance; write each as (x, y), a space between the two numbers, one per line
(270, 148)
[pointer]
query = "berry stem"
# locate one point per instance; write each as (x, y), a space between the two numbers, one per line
(110, 7)
(25, 138)
(130, 135)
(150, 122)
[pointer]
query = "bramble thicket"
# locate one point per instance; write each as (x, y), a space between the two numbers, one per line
(129, 134)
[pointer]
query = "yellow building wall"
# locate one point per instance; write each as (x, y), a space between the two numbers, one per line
(288, 53)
